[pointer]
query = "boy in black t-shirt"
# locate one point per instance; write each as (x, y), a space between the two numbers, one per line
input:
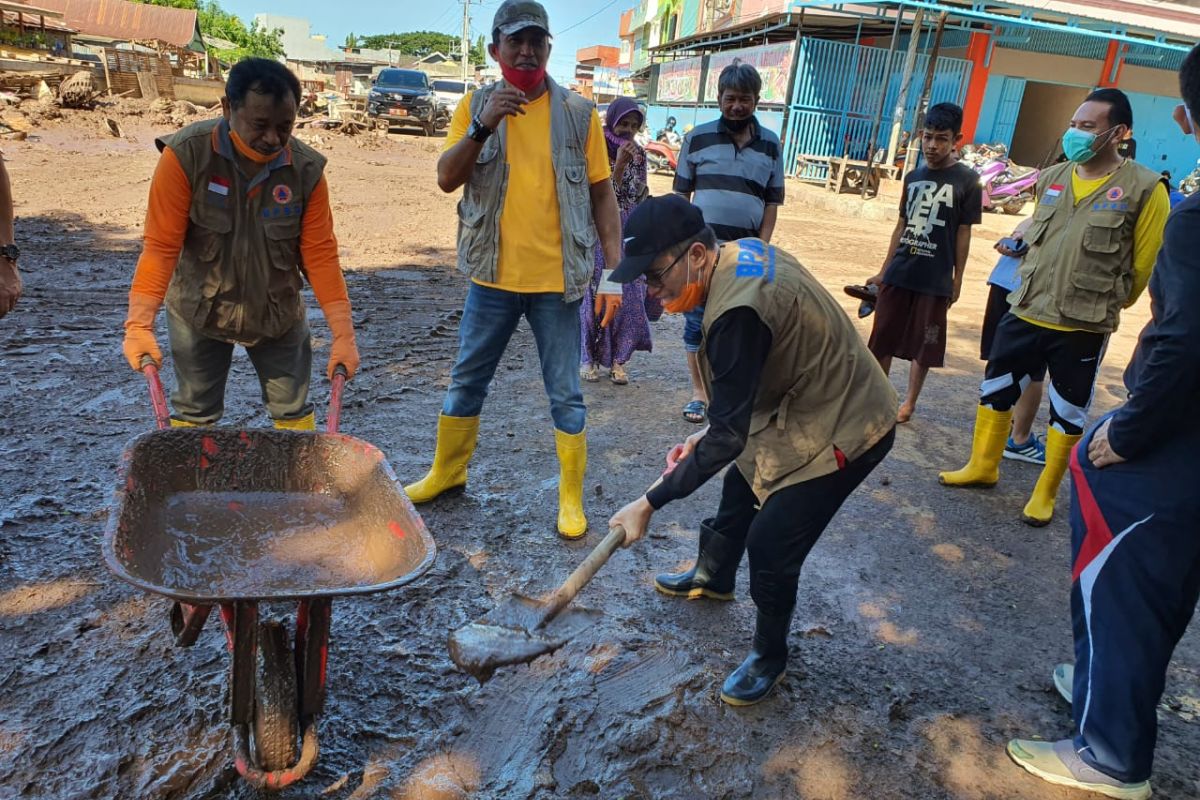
(922, 274)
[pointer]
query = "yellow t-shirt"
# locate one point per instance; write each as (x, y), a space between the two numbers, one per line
(530, 236)
(1147, 236)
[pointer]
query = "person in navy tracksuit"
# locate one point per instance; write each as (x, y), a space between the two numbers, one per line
(1135, 522)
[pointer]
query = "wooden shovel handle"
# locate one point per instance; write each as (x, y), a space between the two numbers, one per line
(564, 594)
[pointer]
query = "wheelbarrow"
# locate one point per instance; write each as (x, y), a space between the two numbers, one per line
(232, 518)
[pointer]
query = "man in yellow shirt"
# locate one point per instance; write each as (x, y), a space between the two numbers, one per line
(532, 161)
(1092, 239)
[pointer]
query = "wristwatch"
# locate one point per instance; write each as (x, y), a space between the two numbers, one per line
(10, 251)
(478, 131)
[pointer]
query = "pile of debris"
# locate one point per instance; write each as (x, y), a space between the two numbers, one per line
(178, 112)
(348, 117)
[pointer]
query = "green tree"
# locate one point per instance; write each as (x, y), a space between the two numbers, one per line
(414, 43)
(248, 40)
(479, 52)
(351, 41)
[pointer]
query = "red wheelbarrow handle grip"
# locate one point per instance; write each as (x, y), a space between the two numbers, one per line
(158, 398)
(334, 418)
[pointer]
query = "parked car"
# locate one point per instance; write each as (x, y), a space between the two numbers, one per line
(450, 92)
(404, 98)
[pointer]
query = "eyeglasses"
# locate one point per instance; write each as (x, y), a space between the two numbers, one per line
(656, 278)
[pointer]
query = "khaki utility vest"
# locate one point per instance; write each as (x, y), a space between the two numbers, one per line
(1079, 269)
(822, 392)
(483, 195)
(239, 274)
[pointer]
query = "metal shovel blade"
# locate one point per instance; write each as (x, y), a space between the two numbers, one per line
(509, 635)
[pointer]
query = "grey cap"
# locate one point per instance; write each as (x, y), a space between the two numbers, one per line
(517, 15)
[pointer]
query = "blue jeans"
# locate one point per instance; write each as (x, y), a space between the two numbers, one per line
(489, 318)
(693, 333)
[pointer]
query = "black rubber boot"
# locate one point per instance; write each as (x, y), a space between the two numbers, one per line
(715, 570)
(766, 664)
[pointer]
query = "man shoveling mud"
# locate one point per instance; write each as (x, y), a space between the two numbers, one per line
(532, 160)
(236, 207)
(802, 435)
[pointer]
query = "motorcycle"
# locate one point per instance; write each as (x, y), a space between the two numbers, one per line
(661, 157)
(1007, 187)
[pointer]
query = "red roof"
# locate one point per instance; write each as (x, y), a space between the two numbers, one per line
(120, 19)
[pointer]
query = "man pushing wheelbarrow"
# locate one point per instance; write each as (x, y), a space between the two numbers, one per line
(238, 215)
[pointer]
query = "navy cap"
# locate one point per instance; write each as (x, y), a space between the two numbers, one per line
(656, 225)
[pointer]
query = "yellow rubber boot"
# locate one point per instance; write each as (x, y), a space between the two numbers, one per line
(456, 437)
(572, 462)
(1040, 508)
(306, 423)
(991, 434)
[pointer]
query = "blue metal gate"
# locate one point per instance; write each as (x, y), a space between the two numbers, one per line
(836, 98)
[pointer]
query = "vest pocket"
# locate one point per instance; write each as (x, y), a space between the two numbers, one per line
(1087, 297)
(206, 234)
(472, 242)
(1103, 234)
(283, 243)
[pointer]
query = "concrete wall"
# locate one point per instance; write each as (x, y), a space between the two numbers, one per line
(1149, 81)
(201, 92)
(1046, 68)
(656, 117)
(1046, 109)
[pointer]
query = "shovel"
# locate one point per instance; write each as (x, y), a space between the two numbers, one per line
(520, 629)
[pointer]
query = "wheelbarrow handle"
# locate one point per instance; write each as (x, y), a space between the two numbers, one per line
(564, 594)
(334, 418)
(158, 398)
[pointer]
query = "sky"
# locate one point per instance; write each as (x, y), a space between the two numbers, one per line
(569, 20)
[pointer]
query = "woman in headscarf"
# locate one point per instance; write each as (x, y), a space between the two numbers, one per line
(611, 348)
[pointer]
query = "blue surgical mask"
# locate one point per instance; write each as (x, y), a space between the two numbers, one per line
(1077, 145)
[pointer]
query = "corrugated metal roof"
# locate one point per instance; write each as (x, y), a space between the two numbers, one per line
(128, 21)
(1178, 22)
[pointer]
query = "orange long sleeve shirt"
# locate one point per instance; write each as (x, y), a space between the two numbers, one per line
(167, 223)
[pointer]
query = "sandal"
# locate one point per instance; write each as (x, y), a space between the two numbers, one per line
(696, 412)
(618, 375)
(590, 373)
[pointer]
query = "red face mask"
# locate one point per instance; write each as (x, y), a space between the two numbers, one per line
(523, 79)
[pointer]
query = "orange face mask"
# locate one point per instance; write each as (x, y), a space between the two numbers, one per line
(691, 296)
(248, 151)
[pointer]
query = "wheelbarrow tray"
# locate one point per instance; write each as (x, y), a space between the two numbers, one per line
(218, 514)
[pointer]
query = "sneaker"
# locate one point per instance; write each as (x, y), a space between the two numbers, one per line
(1058, 763)
(1032, 452)
(1064, 681)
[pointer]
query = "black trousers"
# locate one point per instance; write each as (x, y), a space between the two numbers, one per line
(1022, 351)
(780, 534)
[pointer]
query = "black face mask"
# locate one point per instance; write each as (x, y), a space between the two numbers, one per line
(737, 125)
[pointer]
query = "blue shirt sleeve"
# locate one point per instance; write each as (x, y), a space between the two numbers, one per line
(1164, 377)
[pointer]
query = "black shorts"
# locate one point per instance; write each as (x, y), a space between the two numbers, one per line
(997, 307)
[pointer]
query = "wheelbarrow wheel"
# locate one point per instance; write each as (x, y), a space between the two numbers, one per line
(276, 727)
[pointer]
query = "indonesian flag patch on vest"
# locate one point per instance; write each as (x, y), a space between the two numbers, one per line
(218, 185)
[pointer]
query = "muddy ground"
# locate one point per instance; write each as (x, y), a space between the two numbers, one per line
(928, 620)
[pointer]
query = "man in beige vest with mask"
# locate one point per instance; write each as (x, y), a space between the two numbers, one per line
(1092, 242)
(801, 434)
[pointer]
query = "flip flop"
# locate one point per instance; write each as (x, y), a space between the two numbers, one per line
(696, 408)
(618, 375)
(869, 293)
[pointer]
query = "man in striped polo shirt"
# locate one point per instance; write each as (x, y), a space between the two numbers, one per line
(732, 170)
